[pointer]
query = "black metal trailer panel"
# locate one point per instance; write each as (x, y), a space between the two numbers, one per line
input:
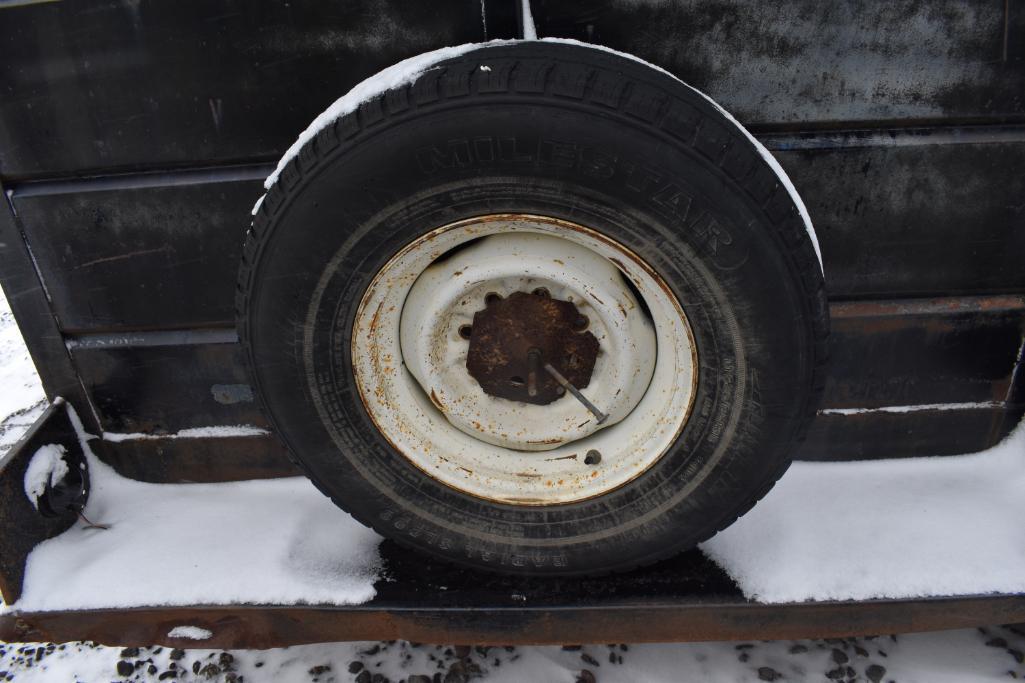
(134, 140)
(935, 218)
(157, 85)
(804, 64)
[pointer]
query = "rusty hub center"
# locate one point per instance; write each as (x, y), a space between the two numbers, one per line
(513, 338)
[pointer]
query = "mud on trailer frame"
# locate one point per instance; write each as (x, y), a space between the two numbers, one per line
(136, 138)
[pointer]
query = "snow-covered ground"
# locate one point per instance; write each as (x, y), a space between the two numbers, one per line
(884, 529)
(966, 656)
(295, 544)
(21, 395)
(863, 517)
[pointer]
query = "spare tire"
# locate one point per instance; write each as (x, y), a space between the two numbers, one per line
(534, 307)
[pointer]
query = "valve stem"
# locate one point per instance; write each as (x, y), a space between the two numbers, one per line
(568, 386)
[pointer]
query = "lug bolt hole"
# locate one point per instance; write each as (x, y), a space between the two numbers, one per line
(465, 331)
(593, 457)
(492, 298)
(516, 381)
(581, 323)
(542, 291)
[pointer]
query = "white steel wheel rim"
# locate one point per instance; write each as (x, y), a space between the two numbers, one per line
(447, 426)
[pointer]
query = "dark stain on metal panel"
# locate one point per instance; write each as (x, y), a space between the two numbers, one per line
(226, 394)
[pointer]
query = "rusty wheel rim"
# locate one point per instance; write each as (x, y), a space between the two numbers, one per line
(524, 359)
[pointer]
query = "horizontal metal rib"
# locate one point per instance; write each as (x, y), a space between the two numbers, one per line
(134, 181)
(114, 340)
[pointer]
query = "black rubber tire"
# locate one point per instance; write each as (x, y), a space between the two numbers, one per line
(575, 133)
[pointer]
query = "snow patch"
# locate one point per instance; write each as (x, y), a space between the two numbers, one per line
(46, 468)
(529, 30)
(215, 432)
(21, 386)
(913, 409)
(15, 426)
(190, 633)
(273, 541)
(902, 528)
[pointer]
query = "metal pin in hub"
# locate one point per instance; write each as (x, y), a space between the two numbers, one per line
(565, 383)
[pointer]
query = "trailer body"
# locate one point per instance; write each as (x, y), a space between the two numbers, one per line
(135, 139)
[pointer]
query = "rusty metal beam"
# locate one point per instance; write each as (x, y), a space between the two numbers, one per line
(927, 306)
(164, 460)
(703, 620)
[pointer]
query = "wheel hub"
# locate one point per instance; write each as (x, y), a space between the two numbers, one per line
(480, 395)
(513, 338)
